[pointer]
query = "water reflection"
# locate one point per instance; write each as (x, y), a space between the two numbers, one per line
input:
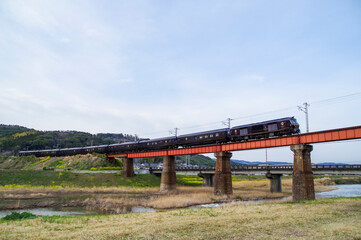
(50, 212)
(74, 211)
(352, 190)
(345, 190)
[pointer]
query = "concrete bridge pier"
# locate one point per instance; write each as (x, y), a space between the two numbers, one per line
(128, 168)
(302, 184)
(276, 185)
(223, 175)
(168, 178)
(208, 179)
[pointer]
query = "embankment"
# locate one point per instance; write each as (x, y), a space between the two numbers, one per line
(321, 219)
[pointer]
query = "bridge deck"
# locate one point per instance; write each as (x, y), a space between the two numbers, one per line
(283, 169)
(355, 167)
(305, 138)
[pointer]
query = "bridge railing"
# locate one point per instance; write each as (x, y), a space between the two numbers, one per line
(267, 167)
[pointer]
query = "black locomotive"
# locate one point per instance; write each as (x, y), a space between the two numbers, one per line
(267, 129)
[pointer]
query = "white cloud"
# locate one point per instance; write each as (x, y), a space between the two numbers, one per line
(254, 78)
(146, 67)
(65, 40)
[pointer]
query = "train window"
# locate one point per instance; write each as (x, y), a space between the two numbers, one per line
(211, 135)
(186, 139)
(272, 127)
(200, 137)
(165, 141)
(217, 134)
(206, 136)
(148, 144)
(243, 131)
(257, 128)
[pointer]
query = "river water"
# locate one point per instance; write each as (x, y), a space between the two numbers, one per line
(345, 190)
(69, 211)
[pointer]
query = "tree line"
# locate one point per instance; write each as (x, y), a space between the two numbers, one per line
(15, 138)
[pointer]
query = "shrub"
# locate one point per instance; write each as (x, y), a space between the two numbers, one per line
(16, 216)
(239, 198)
(105, 168)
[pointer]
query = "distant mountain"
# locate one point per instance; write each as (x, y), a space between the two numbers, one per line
(332, 163)
(15, 138)
(200, 160)
(243, 162)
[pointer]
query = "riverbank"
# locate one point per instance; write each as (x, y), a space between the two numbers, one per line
(338, 218)
(66, 179)
(112, 193)
(120, 198)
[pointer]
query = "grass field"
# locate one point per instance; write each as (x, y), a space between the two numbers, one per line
(322, 219)
(194, 180)
(51, 179)
(110, 192)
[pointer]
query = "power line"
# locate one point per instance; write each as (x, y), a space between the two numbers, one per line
(265, 113)
(174, 132)
(319, 102)
(227, 122)
(336, 98)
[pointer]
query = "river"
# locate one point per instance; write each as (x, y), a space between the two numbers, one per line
(345, 190)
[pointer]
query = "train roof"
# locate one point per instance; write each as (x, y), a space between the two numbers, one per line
(205, 132)
(48, 150)
(92, 146)
(125, 143)
(28, 151)
(158, 139)
(265, 122)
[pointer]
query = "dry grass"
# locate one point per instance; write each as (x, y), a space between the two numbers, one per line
(113, 199)
(180, 198)
(68, 191)
(331, 219)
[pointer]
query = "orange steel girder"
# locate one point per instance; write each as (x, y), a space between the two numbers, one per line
(314, 137)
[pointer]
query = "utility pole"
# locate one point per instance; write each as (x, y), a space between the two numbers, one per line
(266, 157)
(175, 132)
(227, 122)
(267, 166)
(305, 110)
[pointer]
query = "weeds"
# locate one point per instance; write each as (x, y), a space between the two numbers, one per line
(105, 168)
(17, 216)
(258, 221)
(17, 178)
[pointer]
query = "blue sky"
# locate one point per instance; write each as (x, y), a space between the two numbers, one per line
(146, 67)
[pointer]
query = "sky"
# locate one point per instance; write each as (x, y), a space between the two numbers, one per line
(147, 67)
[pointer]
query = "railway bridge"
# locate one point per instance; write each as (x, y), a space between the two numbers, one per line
(272, 172)
(302, 172)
